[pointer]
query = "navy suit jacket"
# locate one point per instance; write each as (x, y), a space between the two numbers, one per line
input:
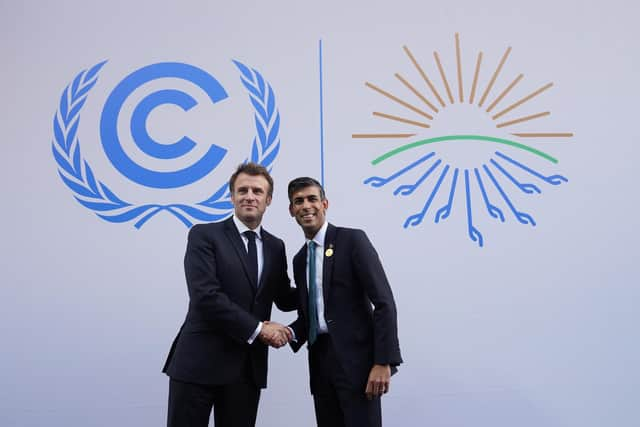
(358, 305)
(225, 306)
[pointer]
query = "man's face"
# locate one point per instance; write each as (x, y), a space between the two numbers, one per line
(250, 198)
(309, 209)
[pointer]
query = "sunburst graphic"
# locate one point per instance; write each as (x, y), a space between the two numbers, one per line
(489, 182)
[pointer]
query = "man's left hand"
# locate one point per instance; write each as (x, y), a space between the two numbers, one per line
(379, 381)
(274, 334)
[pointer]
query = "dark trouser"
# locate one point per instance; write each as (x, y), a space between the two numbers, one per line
(234, 405)
(336, 403)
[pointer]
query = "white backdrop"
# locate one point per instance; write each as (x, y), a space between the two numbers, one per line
(536, 328)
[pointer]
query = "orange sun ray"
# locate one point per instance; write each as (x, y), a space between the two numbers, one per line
(523, 100)
(504, 93)
(495, 75)
(382, 135)
(416, 92)
(400, 119)
(399, 101)
(544, 134)
(459, 65)
(523, 119)
(424, 76)
(443, 76)
(475, 78)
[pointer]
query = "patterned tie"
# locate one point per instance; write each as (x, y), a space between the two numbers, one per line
(253, 255)
(313, 309)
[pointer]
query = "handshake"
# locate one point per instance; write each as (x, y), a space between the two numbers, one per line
(275, 334)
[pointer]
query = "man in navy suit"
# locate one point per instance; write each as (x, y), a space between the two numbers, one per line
(235, 270)
(346, 313)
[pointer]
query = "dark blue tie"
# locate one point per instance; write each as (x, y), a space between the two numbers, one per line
(253, 255)
(313, 309)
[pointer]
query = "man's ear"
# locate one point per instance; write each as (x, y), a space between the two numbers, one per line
(268, 200)
(291, 210)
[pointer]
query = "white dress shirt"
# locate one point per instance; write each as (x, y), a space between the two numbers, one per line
(242, 228)
(319, 241)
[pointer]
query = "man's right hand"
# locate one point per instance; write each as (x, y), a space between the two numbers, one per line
(274, 334)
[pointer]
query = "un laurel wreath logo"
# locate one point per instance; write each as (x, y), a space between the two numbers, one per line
(94, 194)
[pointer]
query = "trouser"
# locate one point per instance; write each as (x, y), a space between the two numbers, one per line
(234, 405)
(336, 403)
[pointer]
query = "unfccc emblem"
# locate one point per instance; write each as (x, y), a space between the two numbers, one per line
(94, 194)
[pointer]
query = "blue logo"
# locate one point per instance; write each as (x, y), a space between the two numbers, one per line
(485, 185)
(96, 195)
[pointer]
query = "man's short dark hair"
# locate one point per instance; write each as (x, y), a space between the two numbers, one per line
(304, 182)
(252, 169)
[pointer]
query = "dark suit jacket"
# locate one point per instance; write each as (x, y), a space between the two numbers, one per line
(225, 307)
(352, 280)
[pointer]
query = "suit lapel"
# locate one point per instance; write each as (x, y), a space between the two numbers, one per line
(300, 271)
(268, 252)
(327, 261)
(238, 245)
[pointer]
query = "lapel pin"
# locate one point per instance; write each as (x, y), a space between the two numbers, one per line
(329, 251)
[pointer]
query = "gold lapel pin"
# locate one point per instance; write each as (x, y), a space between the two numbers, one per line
(329, 251)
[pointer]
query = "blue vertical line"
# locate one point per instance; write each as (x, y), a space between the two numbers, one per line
(321, 117)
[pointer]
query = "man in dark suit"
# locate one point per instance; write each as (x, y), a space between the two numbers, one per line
(235, 270)
(346, 313)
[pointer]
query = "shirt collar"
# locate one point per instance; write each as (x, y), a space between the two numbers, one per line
(242, 227)
(319, 237)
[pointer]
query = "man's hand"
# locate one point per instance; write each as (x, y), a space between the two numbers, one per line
(379, 381)
(274, 334)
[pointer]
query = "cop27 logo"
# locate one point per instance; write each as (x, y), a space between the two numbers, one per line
(486, 185)
(95, 194)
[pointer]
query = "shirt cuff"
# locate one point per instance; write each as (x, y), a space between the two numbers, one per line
(293, 334)
(253, 337)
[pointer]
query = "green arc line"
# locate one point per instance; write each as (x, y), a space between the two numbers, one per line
(464, 138)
